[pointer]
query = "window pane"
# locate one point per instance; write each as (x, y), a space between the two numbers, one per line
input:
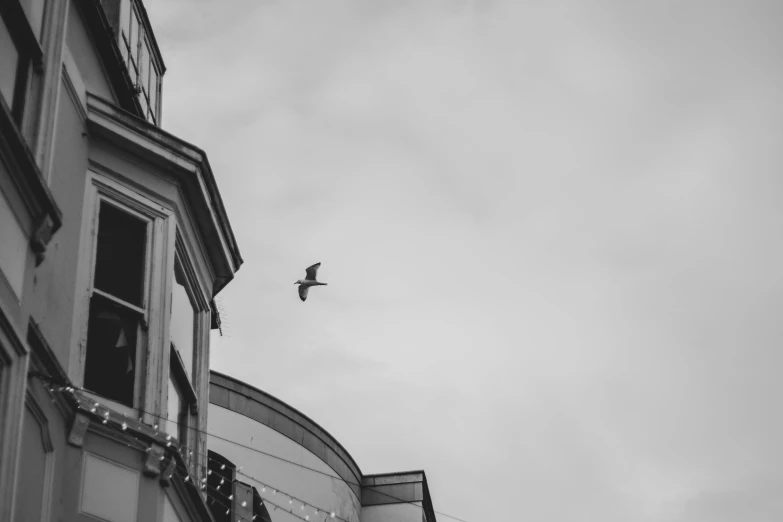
(9, 62)
(183, 320)
(134, 34)
(174, 408)
(154, 90)
(34, 9)
(144, 65)
(110, 369)
(119, 263)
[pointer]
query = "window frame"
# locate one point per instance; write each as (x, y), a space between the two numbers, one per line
(138, 69)
(152, 371)
(27, 44)
(188, 384)
(142, 310)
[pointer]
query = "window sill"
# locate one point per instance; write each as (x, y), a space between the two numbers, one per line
(131, 413)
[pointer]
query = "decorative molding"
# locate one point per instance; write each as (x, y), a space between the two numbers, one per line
(26, 175)
(74, 85)
(188, 163)
(78, 430)
(155, 454)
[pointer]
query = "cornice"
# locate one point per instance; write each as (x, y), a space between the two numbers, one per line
(190, 164)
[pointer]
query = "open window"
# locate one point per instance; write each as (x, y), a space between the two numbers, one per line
(117, 305)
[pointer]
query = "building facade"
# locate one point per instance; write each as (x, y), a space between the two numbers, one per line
(113, 244)
(266, 450)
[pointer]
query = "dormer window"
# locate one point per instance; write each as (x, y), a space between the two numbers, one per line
(142, 67)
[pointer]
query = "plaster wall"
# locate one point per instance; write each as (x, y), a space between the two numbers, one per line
(52, 296)
(325, 489)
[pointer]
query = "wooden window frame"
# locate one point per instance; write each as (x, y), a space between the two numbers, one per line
(152, 369)
(25, 40)
(189, 384)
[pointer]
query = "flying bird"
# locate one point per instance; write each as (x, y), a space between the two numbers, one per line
(308, 281)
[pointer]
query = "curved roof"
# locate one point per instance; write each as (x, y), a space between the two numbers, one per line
(237, 396)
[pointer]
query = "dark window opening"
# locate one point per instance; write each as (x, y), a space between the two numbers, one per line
(110, 369)
(220, 486)
(119, 263)
(116, 305)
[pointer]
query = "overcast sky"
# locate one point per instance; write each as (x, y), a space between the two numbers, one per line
(552, 233)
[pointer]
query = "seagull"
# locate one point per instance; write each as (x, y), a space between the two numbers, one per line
(308, 281)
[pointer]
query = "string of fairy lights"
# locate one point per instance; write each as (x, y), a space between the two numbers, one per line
(107, 416)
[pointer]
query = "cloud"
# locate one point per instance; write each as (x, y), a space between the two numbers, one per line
(551, 233)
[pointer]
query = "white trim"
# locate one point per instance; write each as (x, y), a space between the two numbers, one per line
(46, 440)
(150, 345)
(74, 85)
(14, 359)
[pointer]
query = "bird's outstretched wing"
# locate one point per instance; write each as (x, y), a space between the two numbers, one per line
(312, 272)
(303, 292)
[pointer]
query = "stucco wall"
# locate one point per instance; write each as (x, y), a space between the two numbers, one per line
(324, 489)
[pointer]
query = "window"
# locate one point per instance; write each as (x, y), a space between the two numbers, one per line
(34, 9)
(182, 330)
(144, 74)
(183, 319)
(20, 30)
(220, 486)
(117, 304)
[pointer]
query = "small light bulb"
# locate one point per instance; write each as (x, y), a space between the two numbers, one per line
(191, 453)
(162, 457)
(332, 515)
(307, 517)
(263, 490)
(187, 478)
(155, 427)
(275, 492)
(223, 466)
(106, 414)
(209, 472)
(124, 426)
(291, 501)
(96, 404)
(104, 421)
(204, 479)
(302, 506)
(92, 410)
(244, 503)
(228, 511)
(231, 497)
(254, 517)
(168, 444)
(221, 481)
(168, 437)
